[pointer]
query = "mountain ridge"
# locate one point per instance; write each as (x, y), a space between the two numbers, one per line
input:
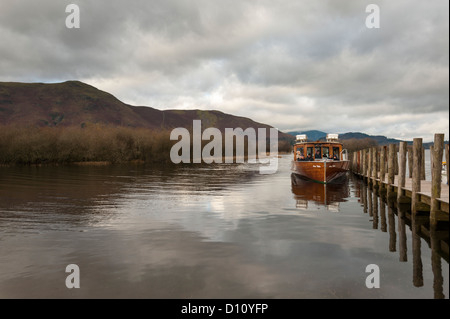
(75, 103)
(316, 135)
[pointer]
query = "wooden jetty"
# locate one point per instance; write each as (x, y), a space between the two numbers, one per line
(384, 168)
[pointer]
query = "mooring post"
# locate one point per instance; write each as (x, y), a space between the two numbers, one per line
(360, 163)
(374, 166)
(382, 165)
(370, 165)
(431, 155)
(410, 161)
(423, 175)
(353, 162)
(402, 170)
(436, 176)
(396, 159)
(401, 210)
(417, 173)
(391, 170)
(363, 163)
(366, 167)
(446, 160)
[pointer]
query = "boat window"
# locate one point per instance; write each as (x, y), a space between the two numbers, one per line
(317, 153)
(299, 153)
(336, 152)
(309, 153)
(325, 152)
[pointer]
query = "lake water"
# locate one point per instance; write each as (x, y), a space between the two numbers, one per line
(216, 231)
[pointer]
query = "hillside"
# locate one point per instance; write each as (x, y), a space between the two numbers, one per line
(76, 104)
(315, 135)
(381, 140)
(62, 104)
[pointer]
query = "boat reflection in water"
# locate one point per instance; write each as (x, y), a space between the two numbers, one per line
(329, 195)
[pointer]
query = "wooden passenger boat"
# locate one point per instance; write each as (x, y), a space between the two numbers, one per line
(320, 161)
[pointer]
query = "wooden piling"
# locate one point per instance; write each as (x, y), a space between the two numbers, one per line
(369, 165)
(446, 160)
(382, 165)
(423, 173)
(431, 155)
(360, 162)
(365, 164)
(402, 171)
(436, 176)
(374, 166)
(410, 161)
(396, 159)
(417, 170)
(391, 169)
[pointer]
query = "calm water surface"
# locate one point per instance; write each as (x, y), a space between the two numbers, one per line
(218, 231)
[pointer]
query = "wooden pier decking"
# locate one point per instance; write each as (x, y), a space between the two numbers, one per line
(424, 194)
(385, 168)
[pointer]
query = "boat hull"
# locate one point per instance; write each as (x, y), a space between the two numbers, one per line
(321, 171)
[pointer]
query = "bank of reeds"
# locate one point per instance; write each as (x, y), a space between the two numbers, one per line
(353, 144)
(94, 143)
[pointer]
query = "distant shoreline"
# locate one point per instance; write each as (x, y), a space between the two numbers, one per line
(94, 144)
(108, 163)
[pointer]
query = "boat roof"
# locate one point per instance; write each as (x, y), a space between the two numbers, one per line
(318, 142)
(331, 139)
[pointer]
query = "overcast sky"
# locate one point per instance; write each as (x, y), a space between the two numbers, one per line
(296, 65)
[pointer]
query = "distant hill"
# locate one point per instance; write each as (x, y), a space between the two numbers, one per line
(315, 135)
(381, 140)
(75, 103)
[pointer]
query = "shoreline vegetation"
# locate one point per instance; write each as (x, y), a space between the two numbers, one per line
(94, 144)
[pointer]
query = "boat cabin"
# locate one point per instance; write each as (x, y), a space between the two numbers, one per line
(330, 149)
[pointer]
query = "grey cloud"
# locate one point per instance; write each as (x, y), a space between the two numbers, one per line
(314, 57)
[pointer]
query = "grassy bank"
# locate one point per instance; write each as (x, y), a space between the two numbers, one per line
(96, 143)
(93, 145)
(353, 145)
